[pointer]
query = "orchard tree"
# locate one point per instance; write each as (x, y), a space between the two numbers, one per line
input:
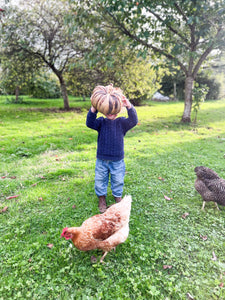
(40, 31)
(135, 76)
(17, 71)
(185, 32)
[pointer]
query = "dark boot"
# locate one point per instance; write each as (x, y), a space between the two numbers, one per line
(102, 204)
(118, 199)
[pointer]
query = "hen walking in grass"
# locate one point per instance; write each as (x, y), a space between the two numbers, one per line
(104, 231)
(210, 186)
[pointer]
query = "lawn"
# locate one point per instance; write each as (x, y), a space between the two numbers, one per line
(47, 160)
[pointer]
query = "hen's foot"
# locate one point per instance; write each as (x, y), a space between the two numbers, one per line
(216, 205)
(102, 258)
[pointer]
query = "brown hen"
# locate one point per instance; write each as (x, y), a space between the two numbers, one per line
(210, 186)
(104, 231)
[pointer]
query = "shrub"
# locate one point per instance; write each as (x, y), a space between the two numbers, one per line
(44, 86)
(202, 80)
(213, 85)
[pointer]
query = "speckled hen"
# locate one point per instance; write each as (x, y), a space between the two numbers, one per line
(210, 186)
(104, 231)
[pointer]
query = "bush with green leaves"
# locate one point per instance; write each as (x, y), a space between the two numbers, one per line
(135, 76)
(168, 81)
(44, 86)
(213, 86)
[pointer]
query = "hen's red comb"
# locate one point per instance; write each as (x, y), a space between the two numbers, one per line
(63, 232)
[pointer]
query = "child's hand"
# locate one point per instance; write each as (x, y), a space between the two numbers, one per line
(126, 102)
(93, 109)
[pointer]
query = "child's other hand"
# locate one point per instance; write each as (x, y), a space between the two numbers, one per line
(93, 109)
(126, 102)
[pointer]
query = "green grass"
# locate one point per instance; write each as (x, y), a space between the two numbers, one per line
(47, 158)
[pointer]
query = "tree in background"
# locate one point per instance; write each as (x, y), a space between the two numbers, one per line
(39, 30)
(111, 59)
(16, 72)
(185, 32)
(135, 76)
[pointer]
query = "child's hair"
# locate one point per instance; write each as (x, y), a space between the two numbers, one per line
(107, 99)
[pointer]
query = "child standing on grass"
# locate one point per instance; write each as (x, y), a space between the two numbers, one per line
(110, 147)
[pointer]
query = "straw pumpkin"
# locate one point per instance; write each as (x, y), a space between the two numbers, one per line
(107, 99)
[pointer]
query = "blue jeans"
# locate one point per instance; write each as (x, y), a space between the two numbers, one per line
(116, 169)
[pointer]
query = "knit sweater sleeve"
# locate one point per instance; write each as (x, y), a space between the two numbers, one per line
(132, 119)
(92, 121)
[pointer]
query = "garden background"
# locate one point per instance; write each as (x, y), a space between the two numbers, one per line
(52, 55)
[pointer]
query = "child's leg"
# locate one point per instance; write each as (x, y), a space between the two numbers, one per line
(101, 177)
(117, 171)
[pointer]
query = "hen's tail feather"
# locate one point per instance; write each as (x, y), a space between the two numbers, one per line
(123, 205)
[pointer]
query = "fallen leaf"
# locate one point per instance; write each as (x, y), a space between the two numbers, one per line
(30, 260)
(70, 138)
(40, 198)
(74, 206)
(50, 246)
(4, 209)
(165, 267)
(221, 284)
(190, 297)
(160, 178)
(13, 177)
(11, 197)
(184, 216)
(214, 256)
(3, 177)
(167, 198)
(93, 259)
(204, 237)
(34, 184)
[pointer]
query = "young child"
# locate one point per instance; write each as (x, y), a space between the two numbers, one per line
(110, 148)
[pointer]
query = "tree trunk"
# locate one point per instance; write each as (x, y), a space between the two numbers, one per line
(17, 92)
(64, 93)
(174, 91)
(186, 118)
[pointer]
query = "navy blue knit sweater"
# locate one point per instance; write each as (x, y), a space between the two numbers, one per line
(111, 133)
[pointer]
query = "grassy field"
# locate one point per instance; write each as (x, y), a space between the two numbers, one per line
(47, 160)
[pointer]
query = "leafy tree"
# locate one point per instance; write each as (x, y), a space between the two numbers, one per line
(185, 32)
(17, 71)
(39, 30)
(135, 76)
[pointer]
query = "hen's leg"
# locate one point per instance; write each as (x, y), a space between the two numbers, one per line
(203, 205)
(217, 206)
(102, 258)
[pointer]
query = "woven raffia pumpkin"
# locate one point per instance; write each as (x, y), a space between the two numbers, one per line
(107, 99)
